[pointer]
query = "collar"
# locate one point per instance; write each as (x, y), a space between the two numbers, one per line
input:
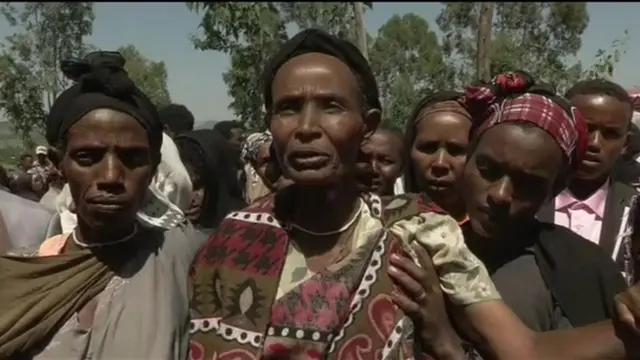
(596, 202)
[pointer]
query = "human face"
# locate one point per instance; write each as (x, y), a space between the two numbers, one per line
(608, 123)
(237, 137)
(505, 182)
(383, 152)
(317, 122)
(26, 163)
(264, 156)
(438, 155)
(108, 165)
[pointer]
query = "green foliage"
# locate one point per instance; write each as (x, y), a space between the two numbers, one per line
(538, 37)
(408, 61)
(606, 60)
(150, 76)
(29, 66)
(251, 32)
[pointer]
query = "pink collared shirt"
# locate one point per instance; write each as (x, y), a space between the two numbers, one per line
(582, 217)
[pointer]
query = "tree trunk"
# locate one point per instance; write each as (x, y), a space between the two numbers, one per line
(361, 31)
(485, 24)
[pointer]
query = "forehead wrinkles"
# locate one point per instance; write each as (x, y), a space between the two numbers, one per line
(107, 126)
(319, 69)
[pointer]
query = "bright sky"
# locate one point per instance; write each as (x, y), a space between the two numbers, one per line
(161, 32)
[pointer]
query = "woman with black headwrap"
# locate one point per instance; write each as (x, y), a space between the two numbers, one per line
(205, 155)
(112, 289)
(313, 271)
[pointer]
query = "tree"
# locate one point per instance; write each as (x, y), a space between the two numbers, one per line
(251, 32)
(538, 37)
(408, 61)
(150, 76)
(30, 75)
(605, 61)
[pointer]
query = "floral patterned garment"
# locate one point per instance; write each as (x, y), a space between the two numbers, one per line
(247, 301)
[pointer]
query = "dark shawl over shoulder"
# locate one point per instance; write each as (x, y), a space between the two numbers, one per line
(582, 278)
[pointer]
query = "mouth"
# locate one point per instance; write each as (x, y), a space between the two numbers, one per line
(308, 159)
(591, 160)
(438, 185)
(107, 206)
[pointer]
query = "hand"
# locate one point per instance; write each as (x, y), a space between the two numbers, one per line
(627, 319)
(421, 299)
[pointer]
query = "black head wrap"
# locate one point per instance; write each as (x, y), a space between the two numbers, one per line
(177, 118)
(318, 41)
(101, 82)
(225, 127)
(208, 152)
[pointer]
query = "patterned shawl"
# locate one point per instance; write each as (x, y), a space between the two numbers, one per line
(241, 310)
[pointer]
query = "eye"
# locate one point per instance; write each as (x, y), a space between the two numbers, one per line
(88, 157)
(334, 107)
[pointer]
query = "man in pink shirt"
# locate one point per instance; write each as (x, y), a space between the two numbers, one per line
(595, 205)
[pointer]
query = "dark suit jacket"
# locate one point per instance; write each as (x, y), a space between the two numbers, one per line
(618, 198)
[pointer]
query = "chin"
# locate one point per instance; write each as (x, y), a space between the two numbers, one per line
(313, 177)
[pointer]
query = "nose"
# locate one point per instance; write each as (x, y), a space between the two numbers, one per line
(595, 142)
(308, 129)
(440, 167)
(502, 193)
(111, 176)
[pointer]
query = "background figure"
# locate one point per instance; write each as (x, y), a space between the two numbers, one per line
(231, 130)
(205, 156)
(177, 118)
(256, 156)
(381, 162)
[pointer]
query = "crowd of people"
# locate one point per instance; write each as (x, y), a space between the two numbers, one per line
(503, 223)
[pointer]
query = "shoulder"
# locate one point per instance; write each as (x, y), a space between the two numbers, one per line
(402, 206)
(565, 243)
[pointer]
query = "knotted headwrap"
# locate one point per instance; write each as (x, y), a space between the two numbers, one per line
(252, 144)
(101, 82)
(515, 97)
(318, 41)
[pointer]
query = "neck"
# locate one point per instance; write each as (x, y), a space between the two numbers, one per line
(324, 209)
(454, 207)
(88, 235)
(582, 189)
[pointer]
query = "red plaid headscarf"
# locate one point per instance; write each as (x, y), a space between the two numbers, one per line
(514, 97)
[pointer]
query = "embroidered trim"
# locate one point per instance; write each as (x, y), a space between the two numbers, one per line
(364, 290)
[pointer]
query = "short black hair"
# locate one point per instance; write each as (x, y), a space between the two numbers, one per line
(177, 118)
(225, 127)
(599, 87)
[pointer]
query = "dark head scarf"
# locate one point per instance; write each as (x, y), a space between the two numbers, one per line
(177, 118)
(101, 82)
(225, 127)
(208, 152)
(439, 101)
(318, 41)
(516, 97)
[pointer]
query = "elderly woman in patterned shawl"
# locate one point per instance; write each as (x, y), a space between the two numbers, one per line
(111, 289)
(316, 271)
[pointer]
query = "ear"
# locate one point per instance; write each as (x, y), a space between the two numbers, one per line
(371, 122)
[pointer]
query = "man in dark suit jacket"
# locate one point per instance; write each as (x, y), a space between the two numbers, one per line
(595, 204)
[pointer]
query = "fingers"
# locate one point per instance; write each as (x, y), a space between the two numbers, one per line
(625, 316)
(409, 307)
(400, 271)
(430, 274)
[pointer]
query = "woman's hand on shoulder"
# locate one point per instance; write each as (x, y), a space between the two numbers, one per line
(419, 295)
